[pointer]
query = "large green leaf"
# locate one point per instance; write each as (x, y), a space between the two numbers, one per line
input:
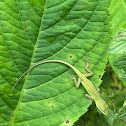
(36, 30)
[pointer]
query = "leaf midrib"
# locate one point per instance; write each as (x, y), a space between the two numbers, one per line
(11, 122)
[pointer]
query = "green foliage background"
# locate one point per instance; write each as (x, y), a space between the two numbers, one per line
(32, 31)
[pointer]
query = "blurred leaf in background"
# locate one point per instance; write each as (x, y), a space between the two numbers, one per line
(118, 11)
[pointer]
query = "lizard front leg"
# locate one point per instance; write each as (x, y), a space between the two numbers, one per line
(90, 98)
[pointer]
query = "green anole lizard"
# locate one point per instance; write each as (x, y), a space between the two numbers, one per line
(93, 94)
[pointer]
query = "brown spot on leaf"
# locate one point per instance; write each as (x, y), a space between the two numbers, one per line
(99, 76)
(67, 121)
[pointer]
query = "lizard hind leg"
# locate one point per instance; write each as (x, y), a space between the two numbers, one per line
(87, 69)
(77, 82)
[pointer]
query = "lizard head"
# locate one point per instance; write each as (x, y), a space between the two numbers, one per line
(102, 106)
